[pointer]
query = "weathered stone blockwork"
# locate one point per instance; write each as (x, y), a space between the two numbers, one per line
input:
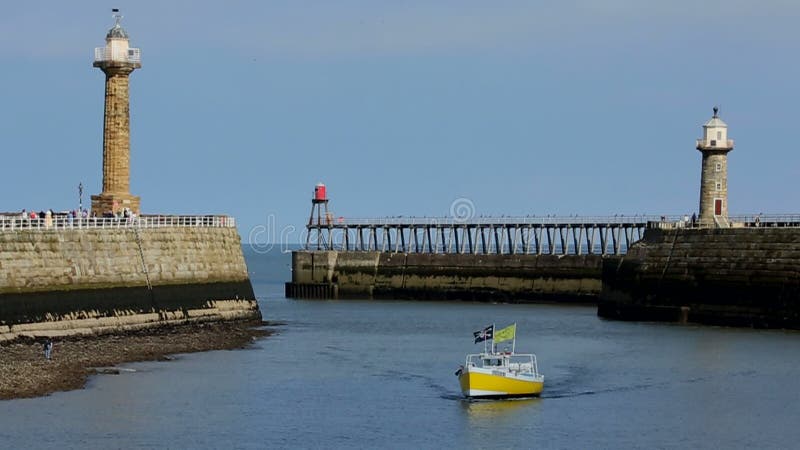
(449, 276)
(54, 275)
(713, 184)
(116, 142)
(718, 276)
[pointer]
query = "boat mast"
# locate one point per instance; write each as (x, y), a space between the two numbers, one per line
(493, 346)
(514, 342)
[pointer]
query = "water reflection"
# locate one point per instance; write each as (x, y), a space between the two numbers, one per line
(490, 410)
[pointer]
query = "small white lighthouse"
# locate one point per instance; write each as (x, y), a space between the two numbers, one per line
(714, 146)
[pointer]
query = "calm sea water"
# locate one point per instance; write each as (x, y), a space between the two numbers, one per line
(369, 374)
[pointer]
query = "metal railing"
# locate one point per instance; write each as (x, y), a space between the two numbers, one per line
(449, 221)
(736, 221)
(714, 143)
(18, 223)
(107, 54)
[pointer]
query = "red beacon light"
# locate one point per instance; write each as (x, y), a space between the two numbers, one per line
(320, 194)
(318, 201)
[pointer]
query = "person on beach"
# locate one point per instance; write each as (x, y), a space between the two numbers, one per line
(48, 348)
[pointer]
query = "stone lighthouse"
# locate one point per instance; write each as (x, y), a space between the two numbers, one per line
(117, 60)
(714, 146)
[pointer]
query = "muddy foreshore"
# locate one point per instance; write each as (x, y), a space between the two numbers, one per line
(24, 372)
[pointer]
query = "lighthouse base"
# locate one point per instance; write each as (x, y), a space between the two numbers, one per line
(114, 203)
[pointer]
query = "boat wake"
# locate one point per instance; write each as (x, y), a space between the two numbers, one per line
(442, 391)
(563, 390)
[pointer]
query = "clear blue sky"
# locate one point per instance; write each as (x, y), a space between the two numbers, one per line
(400, 107)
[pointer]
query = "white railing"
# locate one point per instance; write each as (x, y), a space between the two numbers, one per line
(108, 54)
(18, 223)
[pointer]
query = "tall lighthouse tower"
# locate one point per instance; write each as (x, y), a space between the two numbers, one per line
(714, 146)
(117, 60)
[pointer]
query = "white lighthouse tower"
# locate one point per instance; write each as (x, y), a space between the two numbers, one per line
(714, 146)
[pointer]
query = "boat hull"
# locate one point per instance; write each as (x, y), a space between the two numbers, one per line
(486, 385)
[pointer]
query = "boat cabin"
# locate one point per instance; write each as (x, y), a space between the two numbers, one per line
(508, 362)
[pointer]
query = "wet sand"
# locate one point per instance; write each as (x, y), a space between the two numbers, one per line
(24, 372)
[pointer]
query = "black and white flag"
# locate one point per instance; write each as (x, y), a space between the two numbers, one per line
(484, 334)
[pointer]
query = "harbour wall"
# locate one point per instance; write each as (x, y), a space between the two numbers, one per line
(92, 280)
(734, 276)
(492, 277)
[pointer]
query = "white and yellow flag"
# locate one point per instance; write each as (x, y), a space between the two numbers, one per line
(506, 334)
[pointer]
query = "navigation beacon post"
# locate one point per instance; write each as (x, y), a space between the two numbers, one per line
(117, 60)
(318, 202)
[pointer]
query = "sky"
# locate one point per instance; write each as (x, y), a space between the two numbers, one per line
(403, 107)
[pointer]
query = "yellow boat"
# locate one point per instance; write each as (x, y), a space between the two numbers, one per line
(500, 375)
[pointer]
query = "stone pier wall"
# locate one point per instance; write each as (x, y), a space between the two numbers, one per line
(62, 281)
(733, 276)
(745, 276)
(512, 278)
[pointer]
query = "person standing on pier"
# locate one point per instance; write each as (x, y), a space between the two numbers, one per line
(48, 348)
